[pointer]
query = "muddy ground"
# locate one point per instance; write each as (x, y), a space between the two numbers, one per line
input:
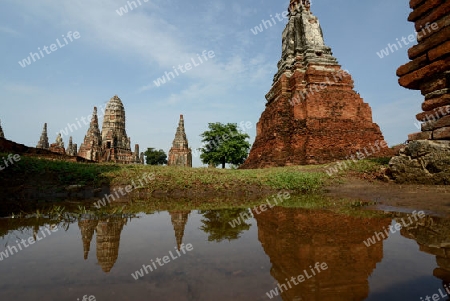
(396, 197)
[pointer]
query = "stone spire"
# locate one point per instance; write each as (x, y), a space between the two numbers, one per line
(180, 154)
(87, 228)
(302, 40)
(71, 148)
(312, 115)
(179, 220)
(2, 135)
(43, 141)
(91, 146)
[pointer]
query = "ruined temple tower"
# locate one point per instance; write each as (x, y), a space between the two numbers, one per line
(91, 147)
(180, 154)
(111, 144)
(87, 227)
(2, 135)
(115, 142)
(426, 157)
(43, 141)
(179, 220)
(312, 114)
(71, 148)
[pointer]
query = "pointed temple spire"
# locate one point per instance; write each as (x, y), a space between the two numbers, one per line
(180, 154)
(43, 141)
(312, 114)
(87, 228)
(91, 147)
(71, 148)
(179, 220)
(2, 135)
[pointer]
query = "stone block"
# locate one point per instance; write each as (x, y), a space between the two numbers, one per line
(434, 114)
(441, 133)
(434, 39)
(439, 51)
(428, 86)
(433, 103)
(417, 63)
(415, 3)
(422, 9)
(420, 136)
(443, 122)
(428, 126)
(436, 14)
(412, 80)
(423, 161)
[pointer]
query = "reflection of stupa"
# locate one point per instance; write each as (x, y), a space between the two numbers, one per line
(433, 237)
(295, 239)
(179, 220)
(87, 228)
(108, 239)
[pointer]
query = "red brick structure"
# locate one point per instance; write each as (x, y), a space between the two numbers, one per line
(295, 239)
(312, 114)
(180, 154)
(426, 158)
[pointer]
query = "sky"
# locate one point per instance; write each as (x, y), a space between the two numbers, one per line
(114, 52)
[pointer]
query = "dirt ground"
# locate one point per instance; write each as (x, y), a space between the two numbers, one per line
(390, 196)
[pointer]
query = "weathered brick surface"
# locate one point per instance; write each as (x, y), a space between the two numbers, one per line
(417, 63)
(434, 114)
(412, 80)
(436, 14)
(434, 103)
(441, 133)
(312, 115)
(415, 3)
(419, 11)
(433, 41)
(420, 136)
(425, 159)
(443, 122)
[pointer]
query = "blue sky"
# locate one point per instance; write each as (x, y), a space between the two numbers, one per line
(123, 55)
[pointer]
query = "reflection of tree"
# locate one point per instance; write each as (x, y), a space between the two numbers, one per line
(216, 223)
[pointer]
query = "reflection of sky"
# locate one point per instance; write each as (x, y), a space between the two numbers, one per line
(54, 268)
(404, 273)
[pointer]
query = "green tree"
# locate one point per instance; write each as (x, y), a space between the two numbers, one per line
(224, 223)
(155, 157)
(224, 143)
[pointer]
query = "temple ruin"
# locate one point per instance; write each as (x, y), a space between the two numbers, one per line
(2, 135)
(43, 141)
(58, 146)
(426, 157)
(179, 220)
(111, 144)
(180, 154)
(312, 114)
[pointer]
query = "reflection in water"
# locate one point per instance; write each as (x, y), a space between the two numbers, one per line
(179, 220)
(295, 239)
(108, 239)
(218, 223)
(433, 237)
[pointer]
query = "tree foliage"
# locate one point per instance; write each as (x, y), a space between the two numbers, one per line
(216, 223)
(224, 143)
(155, 157)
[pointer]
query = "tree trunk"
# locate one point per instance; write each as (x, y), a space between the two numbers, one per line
(223, 163)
